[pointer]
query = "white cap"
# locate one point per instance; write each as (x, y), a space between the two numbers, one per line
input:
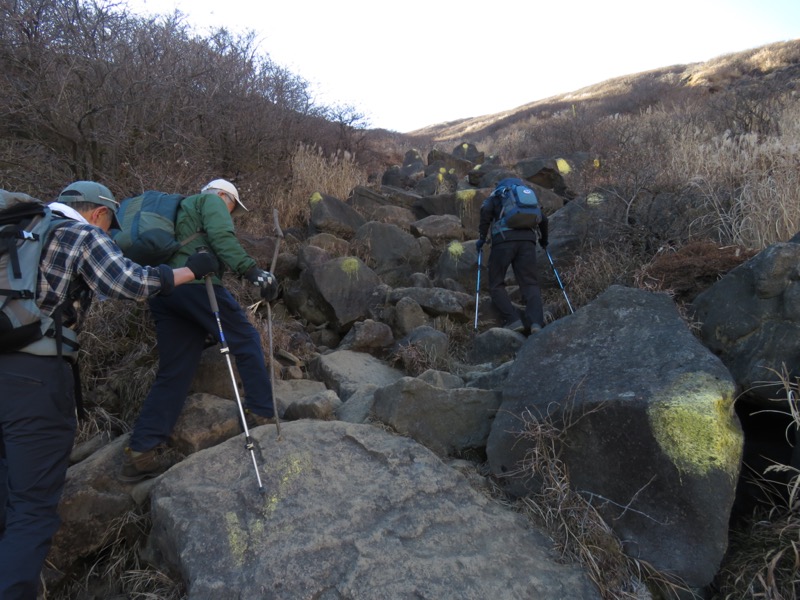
(226, 186)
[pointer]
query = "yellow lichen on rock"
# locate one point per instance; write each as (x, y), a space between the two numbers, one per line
(563, 166)
(283, 474)
(237, 537)
(595, 198)
(464, 200)
(455, 249)
(350, 266)
(315, 197)
(693, 424)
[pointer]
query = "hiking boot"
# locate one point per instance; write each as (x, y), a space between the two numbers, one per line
(137, 466)
(256, 420)
(535, 328)
(517, 326)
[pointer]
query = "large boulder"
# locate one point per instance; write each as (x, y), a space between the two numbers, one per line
(649, 434)
(391, 252)
(437, 301)
(751, 319)
(448, 421)
(595, 218)
(338, 292)
(331, 215)
(347, 511)
(465, 204)
(345, 371)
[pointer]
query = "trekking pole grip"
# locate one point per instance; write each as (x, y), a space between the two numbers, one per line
(212, 297)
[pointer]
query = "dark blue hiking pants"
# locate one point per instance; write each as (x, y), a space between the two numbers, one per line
(37, 429)
(183, 320)
(520, 255)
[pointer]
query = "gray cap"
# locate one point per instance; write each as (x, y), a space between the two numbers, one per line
(91, 191)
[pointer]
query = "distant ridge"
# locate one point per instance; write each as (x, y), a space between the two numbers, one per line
(746, 67)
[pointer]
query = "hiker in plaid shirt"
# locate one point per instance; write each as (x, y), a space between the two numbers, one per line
(37, 406)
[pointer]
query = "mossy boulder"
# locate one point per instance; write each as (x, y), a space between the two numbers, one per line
(649, 432)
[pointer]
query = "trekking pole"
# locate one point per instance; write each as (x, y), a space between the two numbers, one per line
(478, 288)
(279, 233)
(561, 285)
(249, 445)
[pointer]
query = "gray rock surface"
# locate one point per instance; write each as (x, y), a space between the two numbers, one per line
(349, 511)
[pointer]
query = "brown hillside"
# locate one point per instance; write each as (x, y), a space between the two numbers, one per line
(775, 64)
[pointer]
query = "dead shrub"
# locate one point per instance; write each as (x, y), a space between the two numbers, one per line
(690, 269)
(313, 171)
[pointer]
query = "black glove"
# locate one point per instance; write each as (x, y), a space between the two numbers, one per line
(543, 243)
(265, 280)
(479, 244)
(202, 264)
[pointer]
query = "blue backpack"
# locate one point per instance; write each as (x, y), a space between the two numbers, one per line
(147, 236)
(520, 206)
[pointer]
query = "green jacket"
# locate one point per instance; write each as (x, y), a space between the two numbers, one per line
(209, 214)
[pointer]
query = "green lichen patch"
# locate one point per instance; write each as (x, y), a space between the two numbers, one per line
(693, 424)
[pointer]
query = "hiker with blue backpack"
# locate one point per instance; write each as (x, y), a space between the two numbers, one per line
(52, 257)
(185, 320)
(513, 215)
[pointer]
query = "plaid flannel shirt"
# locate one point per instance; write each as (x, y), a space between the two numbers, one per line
(86, 254)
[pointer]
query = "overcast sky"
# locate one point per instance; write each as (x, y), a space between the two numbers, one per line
(414, 63)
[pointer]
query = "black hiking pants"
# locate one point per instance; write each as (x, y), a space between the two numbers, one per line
(37, 428)
(520, 255)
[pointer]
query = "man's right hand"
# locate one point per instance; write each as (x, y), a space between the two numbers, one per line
(479, 244)
(202, 264)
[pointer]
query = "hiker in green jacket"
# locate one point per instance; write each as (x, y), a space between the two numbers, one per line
(184, 320)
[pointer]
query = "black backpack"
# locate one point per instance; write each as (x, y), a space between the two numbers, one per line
(25, 225)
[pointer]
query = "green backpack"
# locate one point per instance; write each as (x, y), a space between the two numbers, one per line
(147, 234)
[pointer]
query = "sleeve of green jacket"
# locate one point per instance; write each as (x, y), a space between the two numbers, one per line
(208, 213)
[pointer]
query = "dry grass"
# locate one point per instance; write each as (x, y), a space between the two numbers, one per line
(763, 559)
(117, 568)
(415, 359)
(750, 188)
(579, 532)
(596, 268)
(118, 359)
(747, 183)
(729, 67)
(312, 171)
